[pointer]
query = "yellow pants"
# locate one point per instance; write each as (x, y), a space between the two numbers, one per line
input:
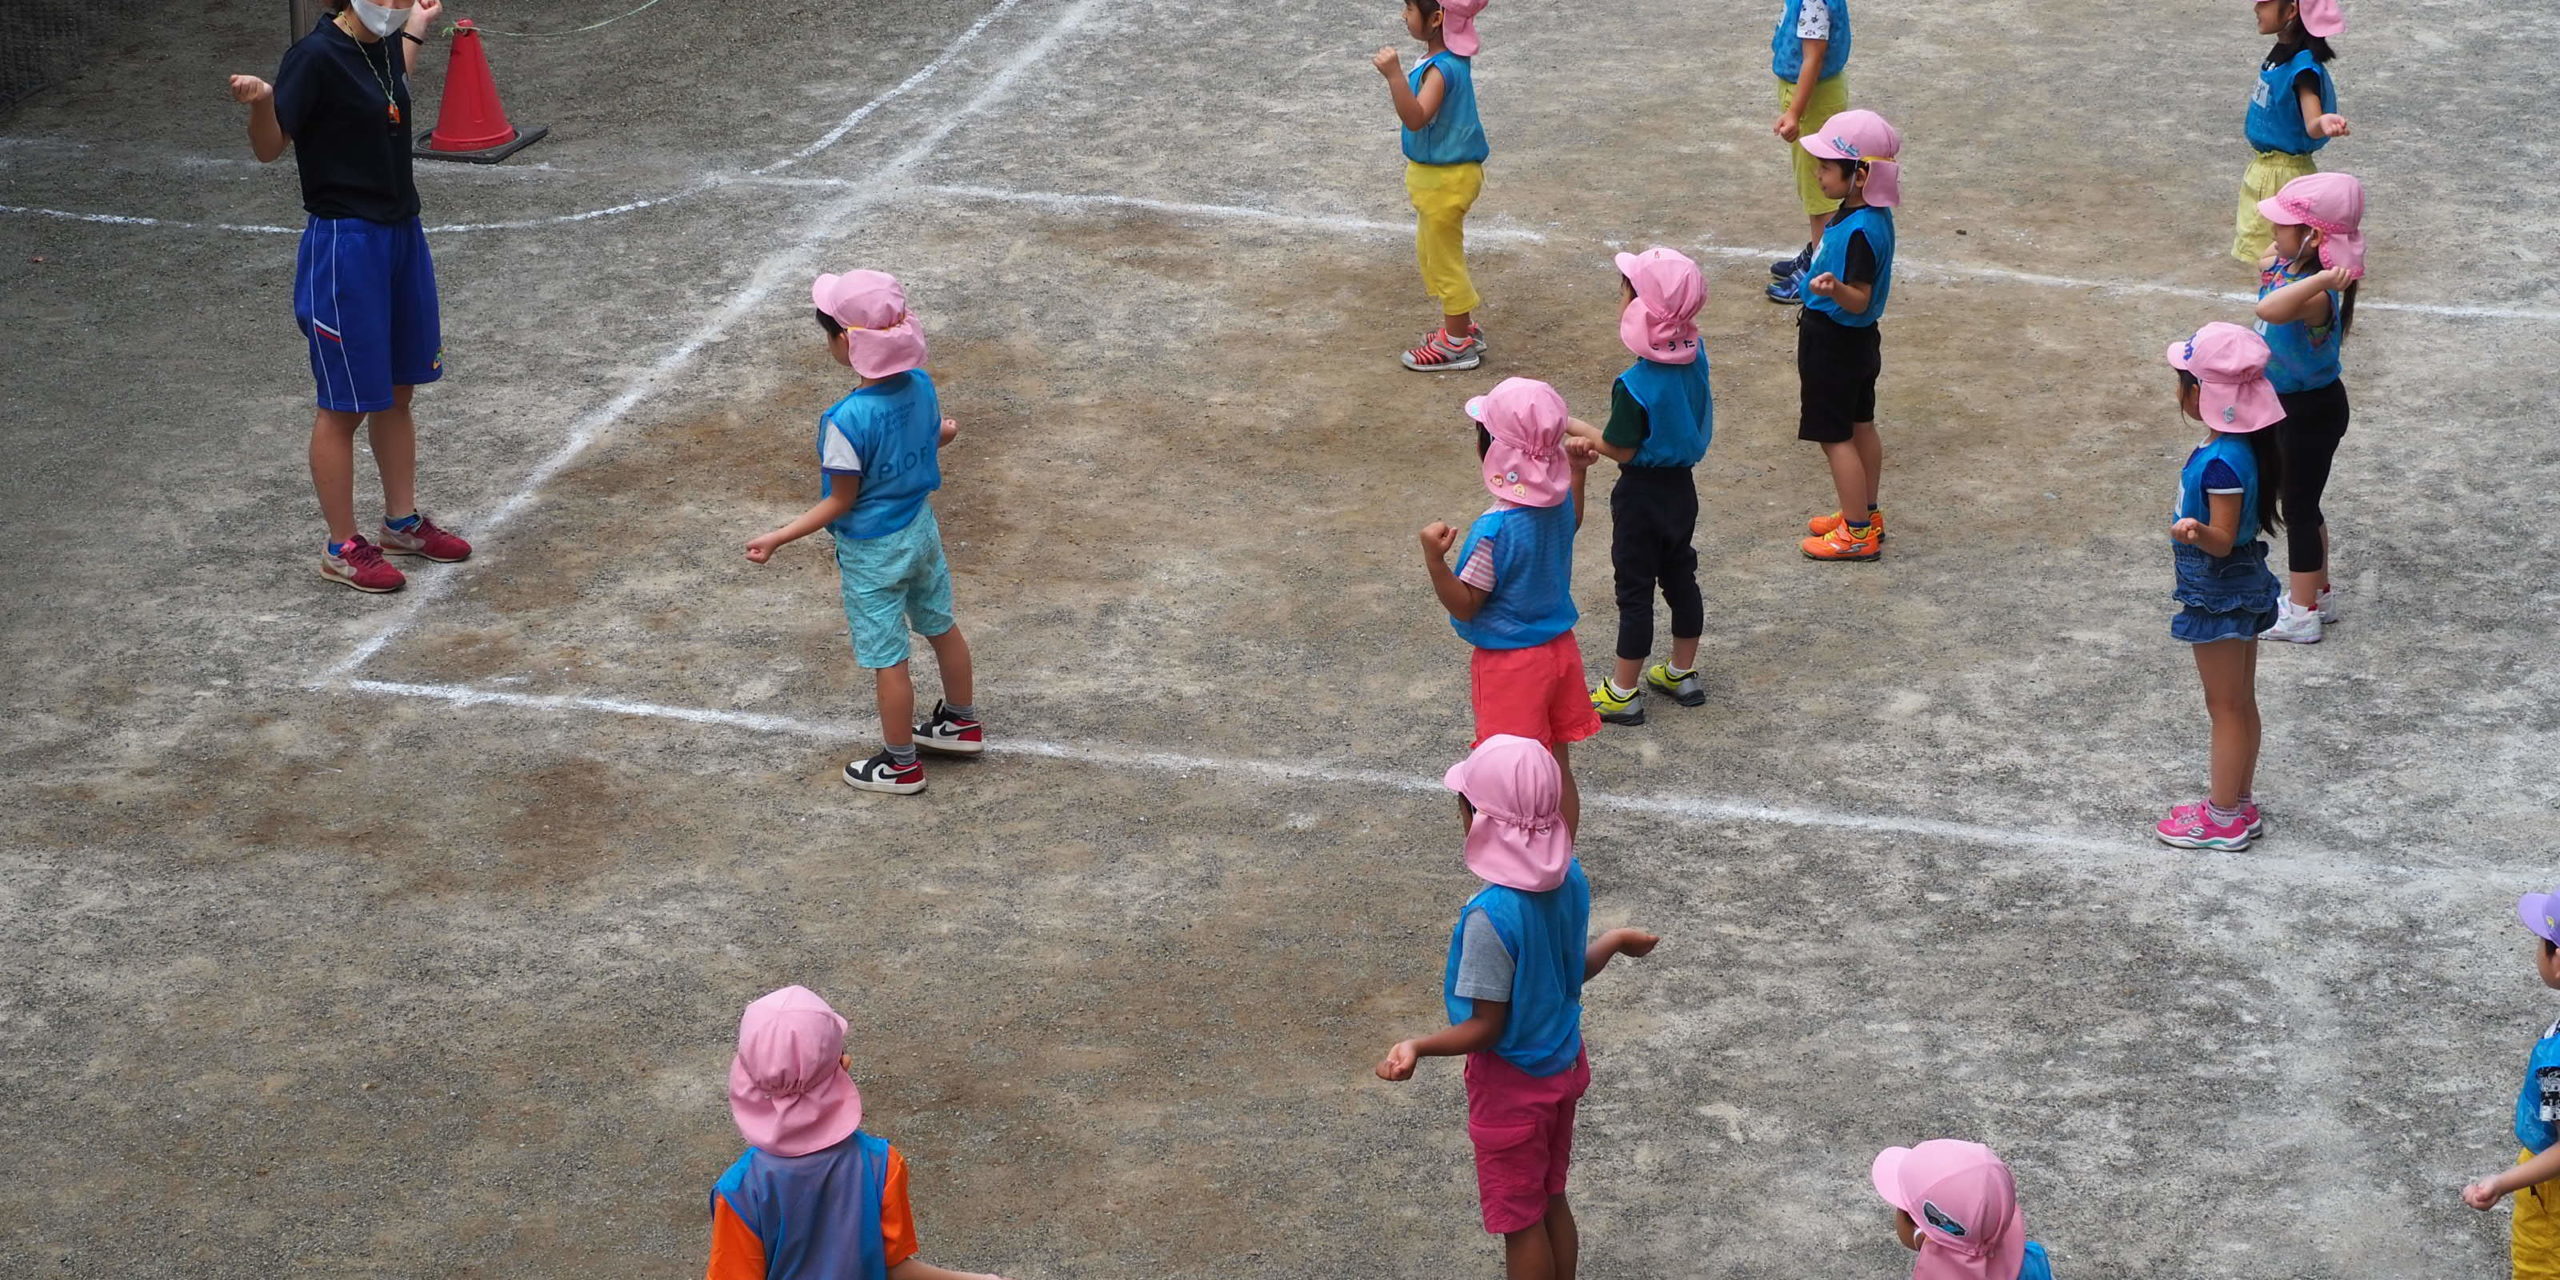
(2533, 1241)
(1442, 194)
(2252, 235)
(1830, 97)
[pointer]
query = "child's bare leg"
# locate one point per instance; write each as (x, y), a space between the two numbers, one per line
(1456, 325)
(1870, 457)
(1849, 477)
(1813, 227)
(897, 692)
(1564, 1240)
(2305, 588)
(2228, 669)
(393, 433)
(1684, 653)
(2249, 775)
(333, 470)
(1627, 672)
(1570, 803)
(1527, 1253)
(959, 677)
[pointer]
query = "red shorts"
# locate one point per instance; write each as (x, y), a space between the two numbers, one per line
(1522, 1127)
(1535, 693)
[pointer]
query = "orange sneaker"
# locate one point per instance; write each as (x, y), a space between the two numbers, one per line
(1822, 525)
(1844, 543)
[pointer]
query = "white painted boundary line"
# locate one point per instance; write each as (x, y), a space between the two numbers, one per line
(2295, 863)
(796, 258)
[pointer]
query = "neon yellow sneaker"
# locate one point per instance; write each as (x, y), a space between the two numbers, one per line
(1617, 710)
(1688, 690)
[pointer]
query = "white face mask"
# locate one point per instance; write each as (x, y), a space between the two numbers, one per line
(377, 19)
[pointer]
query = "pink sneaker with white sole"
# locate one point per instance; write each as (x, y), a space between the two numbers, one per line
(2191, 826)
(359, 564)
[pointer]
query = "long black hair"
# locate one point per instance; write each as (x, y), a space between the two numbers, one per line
(2294, 37)
(2270, 458)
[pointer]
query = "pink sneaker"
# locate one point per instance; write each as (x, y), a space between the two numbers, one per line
(359, 564)
(425, 539)
(2191, 826)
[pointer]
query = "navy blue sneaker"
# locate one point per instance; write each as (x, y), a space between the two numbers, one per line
(1789, 291)
(1784, 267)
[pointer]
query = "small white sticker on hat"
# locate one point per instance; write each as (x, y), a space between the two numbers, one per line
(2230, 413)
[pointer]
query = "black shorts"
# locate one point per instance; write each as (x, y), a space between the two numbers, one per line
(1837, 365)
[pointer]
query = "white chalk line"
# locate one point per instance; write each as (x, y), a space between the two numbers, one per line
(691, 189)
(2305, 863)
(794, 258)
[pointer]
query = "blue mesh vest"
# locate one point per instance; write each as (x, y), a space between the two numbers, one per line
(1532, 599)
(895, 426)
(1831, 254)
(2192, 502)
(1545, 934)
(1786, 48)
(818, 1215)
(1455, 135)
(2275, 118)
(2302, 356)
(1679, 411)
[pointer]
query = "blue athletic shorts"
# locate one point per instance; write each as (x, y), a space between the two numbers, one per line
(364, 293)
(891, 583)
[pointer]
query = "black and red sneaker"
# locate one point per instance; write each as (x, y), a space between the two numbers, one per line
(951, 734)
(881, 773)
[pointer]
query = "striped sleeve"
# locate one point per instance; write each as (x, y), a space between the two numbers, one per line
(1478, 571)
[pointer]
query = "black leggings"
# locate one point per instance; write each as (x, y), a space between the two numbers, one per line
(2314, 422)
(1653, 513)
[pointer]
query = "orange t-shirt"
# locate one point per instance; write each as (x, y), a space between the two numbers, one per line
(737, 1254)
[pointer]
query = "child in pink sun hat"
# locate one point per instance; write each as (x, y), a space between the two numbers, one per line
(1956, 1205)
(1662, 416)
(1511, 595)
(1444, 153)
(2306, 304)
(2533, 1233)
(2293, 110)
(2227, 498)
(879, 463)
(814, 1197)
(1513, 989)
(1839, 344)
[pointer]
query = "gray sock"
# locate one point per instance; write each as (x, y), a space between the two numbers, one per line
(964, 710)
(902, 756)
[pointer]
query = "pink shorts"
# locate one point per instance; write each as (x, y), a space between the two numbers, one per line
(1534, 693)
(1522, 1127)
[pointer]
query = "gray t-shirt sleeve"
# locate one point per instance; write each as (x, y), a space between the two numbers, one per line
(1484, 968)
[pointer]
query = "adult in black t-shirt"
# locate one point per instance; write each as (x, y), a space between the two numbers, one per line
(364, 289)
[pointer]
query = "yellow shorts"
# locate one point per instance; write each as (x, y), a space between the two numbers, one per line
(2252, 234)
(1830, 97)
(1442, 194)
(2533, 1239)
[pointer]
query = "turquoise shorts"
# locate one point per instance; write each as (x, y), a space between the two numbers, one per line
(893, 582)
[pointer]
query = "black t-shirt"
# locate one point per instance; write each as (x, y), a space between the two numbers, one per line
(334, 97)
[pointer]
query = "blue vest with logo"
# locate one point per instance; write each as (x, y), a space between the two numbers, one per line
(1545, 934)
(1679, 411)
(817, 1215)
(2275, 116)
(895, 427)
(1786, 48)
(1532, 599)
(1455, 135)
(2303, 356)
(2192, 502)
(1831, 254)
(2538, 1103)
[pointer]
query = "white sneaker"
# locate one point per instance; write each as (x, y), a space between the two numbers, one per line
(2328, 603)
(2293, 625)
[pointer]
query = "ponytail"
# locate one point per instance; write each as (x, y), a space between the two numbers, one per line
(2347, 307)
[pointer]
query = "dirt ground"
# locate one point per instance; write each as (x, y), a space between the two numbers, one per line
(405, 936)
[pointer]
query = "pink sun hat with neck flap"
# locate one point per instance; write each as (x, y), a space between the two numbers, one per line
(2331, 204)
(2230, 367)
(1517, 838)
(1458, 25)
(788, 1089)
(2322, 18)
(1662, 323)
(1868, 138)
(881, 336)
(1526, 463)
(1965, 1203)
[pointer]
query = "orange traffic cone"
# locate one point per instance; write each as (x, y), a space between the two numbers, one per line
(471, 124)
